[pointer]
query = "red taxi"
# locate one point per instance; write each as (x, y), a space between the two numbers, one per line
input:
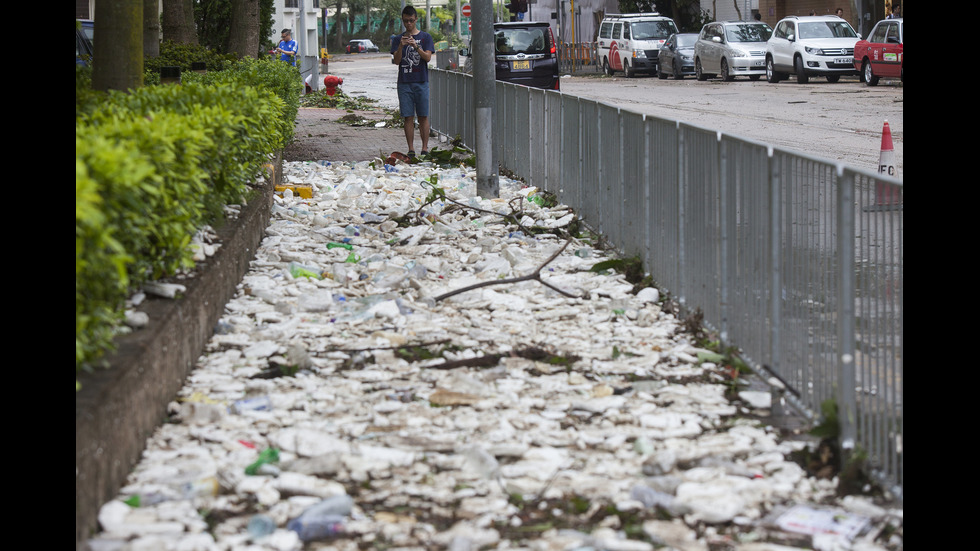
(880, 56)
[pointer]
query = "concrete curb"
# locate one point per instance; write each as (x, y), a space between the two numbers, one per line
(118, 408)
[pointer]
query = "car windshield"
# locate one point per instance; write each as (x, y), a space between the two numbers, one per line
(827, 29)
(686, 40)
(653, 30)
(759, 32)
(532, 40)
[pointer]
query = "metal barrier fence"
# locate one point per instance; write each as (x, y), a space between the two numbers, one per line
(794, 259)
(575, 57)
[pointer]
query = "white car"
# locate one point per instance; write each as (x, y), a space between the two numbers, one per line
(730, 49)
(819, 45)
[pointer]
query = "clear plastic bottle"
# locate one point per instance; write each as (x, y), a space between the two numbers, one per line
(257, 403)
(260, 526)
(323, 520)
(370, 217)
(207, 486)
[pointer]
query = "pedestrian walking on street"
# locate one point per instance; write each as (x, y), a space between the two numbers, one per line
(412, 52)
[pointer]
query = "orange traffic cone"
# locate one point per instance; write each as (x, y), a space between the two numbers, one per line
(886, 194)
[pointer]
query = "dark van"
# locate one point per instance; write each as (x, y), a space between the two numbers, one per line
(525, 54)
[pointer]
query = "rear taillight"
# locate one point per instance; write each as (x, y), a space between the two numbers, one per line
(554, 49)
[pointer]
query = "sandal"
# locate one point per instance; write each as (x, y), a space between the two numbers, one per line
(411, 154)
(424, 152)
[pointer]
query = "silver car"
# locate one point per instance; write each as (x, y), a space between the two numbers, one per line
(731, 48)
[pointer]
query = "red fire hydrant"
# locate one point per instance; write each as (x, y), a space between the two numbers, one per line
(331, 82)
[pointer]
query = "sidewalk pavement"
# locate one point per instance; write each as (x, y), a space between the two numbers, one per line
(118, 407)
(320, 135)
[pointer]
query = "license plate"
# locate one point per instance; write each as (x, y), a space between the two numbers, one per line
(521, 65)
(844, 60)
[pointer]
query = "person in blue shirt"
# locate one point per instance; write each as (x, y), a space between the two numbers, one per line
(412, 52)
(287, 48)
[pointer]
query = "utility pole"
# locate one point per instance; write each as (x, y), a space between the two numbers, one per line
(485, 99)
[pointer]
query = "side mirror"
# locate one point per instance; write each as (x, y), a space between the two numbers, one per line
(716, 39)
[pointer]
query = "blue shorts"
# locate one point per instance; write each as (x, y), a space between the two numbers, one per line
(413, 99)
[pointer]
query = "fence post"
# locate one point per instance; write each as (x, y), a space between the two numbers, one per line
(846, 235)
(775, 271)
(723, 221)
(681, 221)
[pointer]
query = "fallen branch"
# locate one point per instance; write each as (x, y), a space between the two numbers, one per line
(491, 360)
(399, 347)
(535, 275)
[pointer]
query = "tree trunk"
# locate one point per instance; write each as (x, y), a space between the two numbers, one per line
(244, 36)
(340, 22)
(118, 46)
(151, 28)
(178, 21)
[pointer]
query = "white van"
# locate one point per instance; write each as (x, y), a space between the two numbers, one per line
(631, 42)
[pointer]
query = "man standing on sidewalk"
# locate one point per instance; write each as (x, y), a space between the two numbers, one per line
(287, 48)
(412, 52)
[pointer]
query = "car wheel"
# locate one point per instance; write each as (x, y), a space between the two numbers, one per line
(678, 75)
(628, 70)
(697, 70)
(833, 78)
(606, 68)
(771, 75)
(755, 77)
(869, 77)
(726, 74)
(801, 76)
(660, 73)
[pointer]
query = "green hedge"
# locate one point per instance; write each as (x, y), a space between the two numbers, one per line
(173, 54)
(270, 76)
(154, 165)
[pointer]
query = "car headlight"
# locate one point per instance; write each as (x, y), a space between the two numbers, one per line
(639, 53)
(739, 53)
(813, 51)
(687, 57)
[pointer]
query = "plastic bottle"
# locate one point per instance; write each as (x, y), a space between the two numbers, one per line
(268, 455)
(258, 403)
(260, 526)
(298, 270)
(146, 500)
(335, 245)
(323, 520)
(207, 486)
(371, 218)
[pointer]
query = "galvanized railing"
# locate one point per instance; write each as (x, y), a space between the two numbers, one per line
(575, 57)
(794, 259)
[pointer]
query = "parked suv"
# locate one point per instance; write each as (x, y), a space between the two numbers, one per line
(524, 53)
(631, 42)
(821, 45)
(730, 49)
